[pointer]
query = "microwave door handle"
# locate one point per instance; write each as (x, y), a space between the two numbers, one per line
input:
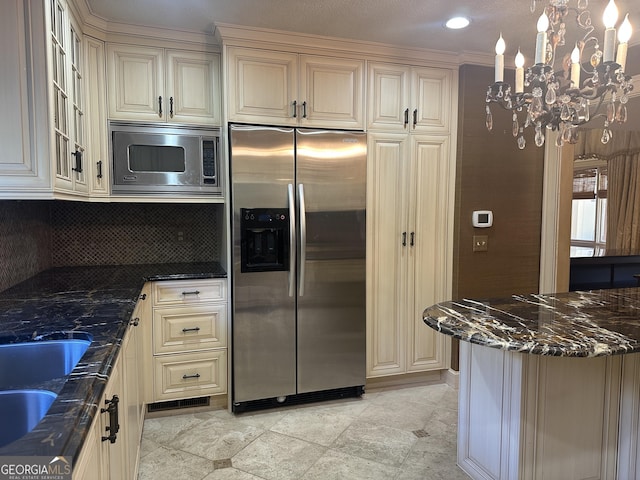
(303, 238)
(292, 240)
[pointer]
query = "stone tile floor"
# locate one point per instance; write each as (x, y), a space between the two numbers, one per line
(402, 434)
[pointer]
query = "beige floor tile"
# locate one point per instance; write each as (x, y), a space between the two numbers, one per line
(320, 426)
(422, 395)
(230, 474)
(215, 438)
(147, 446)
(427, 465)
(264, 419)
(335, 465)
(164, 429)
(409, 416)
(169, 464)
(278, 457)
(379, 443)
(349, 439)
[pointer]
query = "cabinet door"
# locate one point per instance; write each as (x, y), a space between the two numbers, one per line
(135, 83)
(77, 117)
(431, 101)
(331, 92)
(24, 163)
(386, 255)
(262, 86)
(389, 97)
(114, 455)
(89, 463)
(131, 399)
(60, 101)
(96, 158)
(428, 268)
(193, 87)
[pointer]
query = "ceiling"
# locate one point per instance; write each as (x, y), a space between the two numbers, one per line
(409, 23)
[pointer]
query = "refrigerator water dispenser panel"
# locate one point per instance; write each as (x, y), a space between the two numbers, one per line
(264, 239)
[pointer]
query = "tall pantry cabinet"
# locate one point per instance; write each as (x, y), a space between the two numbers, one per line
(410, 181)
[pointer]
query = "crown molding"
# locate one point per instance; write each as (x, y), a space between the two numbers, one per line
(105, 30)
(239, 35)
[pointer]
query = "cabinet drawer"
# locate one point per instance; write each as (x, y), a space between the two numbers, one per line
(180, 329)
(190, 375)
(187, 292)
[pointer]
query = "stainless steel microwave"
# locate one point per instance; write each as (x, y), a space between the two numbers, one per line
(161, 159)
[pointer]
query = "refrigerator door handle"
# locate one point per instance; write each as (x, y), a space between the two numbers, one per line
(292, 240)
(303, 237)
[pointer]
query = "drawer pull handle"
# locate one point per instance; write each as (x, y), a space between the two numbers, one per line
(194, 329)
(195, 292)
(114, 425)
(186, 377)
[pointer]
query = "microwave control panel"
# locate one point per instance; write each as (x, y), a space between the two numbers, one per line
(209, 149)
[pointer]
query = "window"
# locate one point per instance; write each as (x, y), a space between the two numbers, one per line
(589, 208)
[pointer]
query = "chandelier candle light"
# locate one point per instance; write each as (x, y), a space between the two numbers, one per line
(557, 99)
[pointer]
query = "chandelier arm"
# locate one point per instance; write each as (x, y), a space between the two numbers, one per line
(558, 100)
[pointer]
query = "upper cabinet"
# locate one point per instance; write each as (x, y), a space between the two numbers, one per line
(161, 85)
(410, 99)
(24, 163)
(66, 103)
(284, 88)
(96, 158)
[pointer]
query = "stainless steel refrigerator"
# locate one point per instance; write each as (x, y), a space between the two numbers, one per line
(298, 213)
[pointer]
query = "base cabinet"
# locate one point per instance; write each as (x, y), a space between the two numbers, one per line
(189, 339)
(409, 179)
(89, 465)
(112, 447)
(531, 417)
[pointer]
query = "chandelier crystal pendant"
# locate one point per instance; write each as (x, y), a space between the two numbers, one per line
(547, 97)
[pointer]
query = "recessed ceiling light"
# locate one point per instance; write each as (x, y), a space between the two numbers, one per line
(457, 22)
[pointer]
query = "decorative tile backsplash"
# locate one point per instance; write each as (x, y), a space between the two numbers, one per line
(36, 235)
(25, 240)
(133, 233)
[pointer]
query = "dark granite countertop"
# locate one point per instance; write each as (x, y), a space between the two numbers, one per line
(72, 301)
(575, 324)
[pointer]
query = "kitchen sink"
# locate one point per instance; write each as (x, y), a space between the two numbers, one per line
(31, 363)
(20, 412)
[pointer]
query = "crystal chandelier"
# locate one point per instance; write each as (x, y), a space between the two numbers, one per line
(547, 97)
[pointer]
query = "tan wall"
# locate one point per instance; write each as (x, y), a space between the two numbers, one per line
(493, 174)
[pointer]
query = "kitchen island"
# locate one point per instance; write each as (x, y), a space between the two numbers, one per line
(95, 302)
(549, 384)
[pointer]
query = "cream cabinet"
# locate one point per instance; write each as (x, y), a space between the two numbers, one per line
(112, 447)
(96, 154)
(67, 100)
(408, 240)
(163, 85)
(24, 167)
(285, 88)
(411, 99)
(189, 339)
(89, 464)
